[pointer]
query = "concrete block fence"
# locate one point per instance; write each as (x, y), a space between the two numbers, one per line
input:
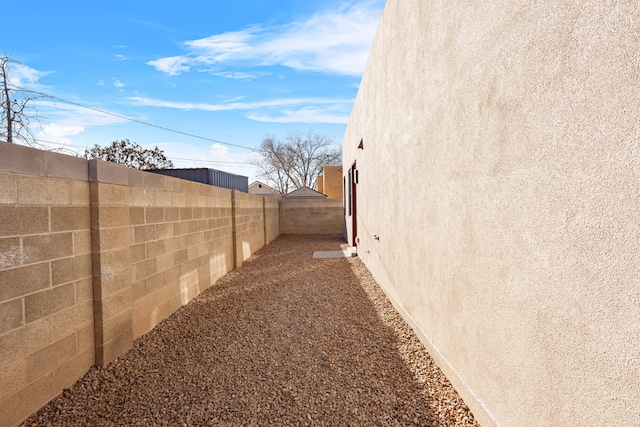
(93, 255)
(311, 216)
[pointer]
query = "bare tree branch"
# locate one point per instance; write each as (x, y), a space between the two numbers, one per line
(17, 109)
(297, 161)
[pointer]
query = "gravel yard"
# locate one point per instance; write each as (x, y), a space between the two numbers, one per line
(283, 340)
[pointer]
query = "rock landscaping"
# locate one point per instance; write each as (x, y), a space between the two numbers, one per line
(283, 340)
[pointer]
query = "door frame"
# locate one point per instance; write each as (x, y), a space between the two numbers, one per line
(353, 173)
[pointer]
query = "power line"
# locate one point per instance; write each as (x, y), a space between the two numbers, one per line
(136, 120)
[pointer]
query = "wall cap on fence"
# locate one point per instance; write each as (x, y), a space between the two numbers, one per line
(24, 160)
(108, 172)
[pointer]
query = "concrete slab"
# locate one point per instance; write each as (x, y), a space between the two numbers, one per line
(346, 253)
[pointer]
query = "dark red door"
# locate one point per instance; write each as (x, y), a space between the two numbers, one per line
(354, 218)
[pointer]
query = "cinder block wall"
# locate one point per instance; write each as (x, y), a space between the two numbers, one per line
(311, 216)
(93, 255)
(46, 298)
(271, 219)
(190, 249)
(248, 213)
(160, 242)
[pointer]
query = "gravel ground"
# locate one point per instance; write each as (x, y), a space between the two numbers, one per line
(283, 340)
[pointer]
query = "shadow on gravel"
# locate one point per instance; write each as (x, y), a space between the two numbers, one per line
(283, 340)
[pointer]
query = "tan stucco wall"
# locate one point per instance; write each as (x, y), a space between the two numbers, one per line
(507, 214)
(332, 182)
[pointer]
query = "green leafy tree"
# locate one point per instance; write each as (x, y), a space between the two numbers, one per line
(130, 154)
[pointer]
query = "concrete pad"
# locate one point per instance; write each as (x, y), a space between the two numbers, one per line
(346, 253)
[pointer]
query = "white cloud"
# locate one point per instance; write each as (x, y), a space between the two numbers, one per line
(220, 152)
(236, 75)
(307, 110)
(304, 115)
(334, 41)
(117, 83)
(122, 57)
(225, 46)
(58, 133)
(172, 65)
(21, 75)
(100, 83)
(217, 156)
(150, 102)
(68, 121)
(72, 115)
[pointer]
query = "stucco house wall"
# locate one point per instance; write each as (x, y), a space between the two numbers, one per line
(331, 182)
(507, 219)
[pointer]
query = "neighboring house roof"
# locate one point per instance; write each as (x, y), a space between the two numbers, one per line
(261, 185)
(262, 189)
(305, 193)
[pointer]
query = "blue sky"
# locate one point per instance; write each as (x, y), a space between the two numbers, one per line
(231, 71)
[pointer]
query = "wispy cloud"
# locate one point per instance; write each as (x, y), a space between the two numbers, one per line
(236, 75)
(72, 115)
(335, 41)
(58, 133)
(23, 75)
(122, 57)
(150, 102)
(117, 83)
(220, 152)
(151, 24)
(69, 120)
(173, 65)
(304, 115)
(287, 110)
(216, 156)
